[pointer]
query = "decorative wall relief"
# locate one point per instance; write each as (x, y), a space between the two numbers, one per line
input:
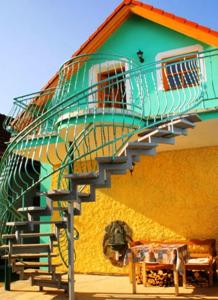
(115, 243)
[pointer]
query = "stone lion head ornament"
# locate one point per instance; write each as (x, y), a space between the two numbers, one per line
(115, 243)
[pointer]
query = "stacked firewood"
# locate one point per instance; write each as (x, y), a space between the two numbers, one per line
(197, 279)
(160, 278)
(156, 278)
(139, 277)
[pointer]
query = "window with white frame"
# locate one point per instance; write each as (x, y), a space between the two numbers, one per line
(112, 87)
(179, 72)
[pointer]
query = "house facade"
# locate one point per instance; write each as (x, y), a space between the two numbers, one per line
(170, 196)
(141, 69)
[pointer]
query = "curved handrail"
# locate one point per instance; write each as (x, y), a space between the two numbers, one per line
(143, 68)
(142, 84)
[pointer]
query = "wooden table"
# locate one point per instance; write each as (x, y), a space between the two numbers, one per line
(159, 256)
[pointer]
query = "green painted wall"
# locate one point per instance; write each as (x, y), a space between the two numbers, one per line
(137, 33)
(44, 187)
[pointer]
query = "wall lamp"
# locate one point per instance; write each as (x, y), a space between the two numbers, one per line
(140, 56)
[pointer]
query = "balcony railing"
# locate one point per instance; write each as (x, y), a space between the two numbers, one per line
(99, 104)
(101, 84)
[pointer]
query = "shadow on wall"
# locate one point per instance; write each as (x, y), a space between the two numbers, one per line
(173, 194)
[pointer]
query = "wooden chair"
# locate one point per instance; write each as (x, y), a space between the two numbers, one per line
(201, 257)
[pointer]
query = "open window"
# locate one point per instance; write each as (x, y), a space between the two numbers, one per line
(112, 89)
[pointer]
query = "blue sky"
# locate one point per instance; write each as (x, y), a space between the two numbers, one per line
(37, 36)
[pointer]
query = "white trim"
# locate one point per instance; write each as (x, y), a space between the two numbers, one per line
(175, 52)
(98, 111)
(107, 66)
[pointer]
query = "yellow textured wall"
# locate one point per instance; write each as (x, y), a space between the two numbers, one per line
(171, 196)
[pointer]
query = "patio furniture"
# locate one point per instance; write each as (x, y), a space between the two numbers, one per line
(157, 256)
(201, 257)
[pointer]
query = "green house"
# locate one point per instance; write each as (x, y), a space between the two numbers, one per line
(144, 83)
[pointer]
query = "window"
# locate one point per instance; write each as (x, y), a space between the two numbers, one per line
(180, 73)
(112, 90)
(187, 70)
(112, 87)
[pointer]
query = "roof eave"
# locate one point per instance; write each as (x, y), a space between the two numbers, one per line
(128, 7)
(180, 25)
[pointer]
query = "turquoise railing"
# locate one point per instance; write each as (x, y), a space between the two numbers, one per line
(99, 104)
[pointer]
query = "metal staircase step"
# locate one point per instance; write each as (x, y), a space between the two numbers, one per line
(13, 236)
(35, 210)
(60, 208)
(106, 169)
(163, 133)
(171, 128)
(50, 201)
(82, 177)
(160, 133)
(27, 248)
(30, 273)
(55, 193)
(42, 272)
(141, 146)
(45, 281)
(29, 255)
(18, 222)
(64, 208)
(34, 264)
(183, 123)
(192, 118)
(44, 211)
(77, 209)
(26, 224)
(162, 140)
(111, 160)
(91, 179)
(58, 195)
(138, 149)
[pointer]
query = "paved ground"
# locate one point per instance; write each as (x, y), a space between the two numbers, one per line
(104, 288)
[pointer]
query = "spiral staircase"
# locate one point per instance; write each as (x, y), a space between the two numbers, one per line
(105, 112)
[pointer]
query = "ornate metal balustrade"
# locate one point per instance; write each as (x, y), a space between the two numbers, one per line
(99, 104)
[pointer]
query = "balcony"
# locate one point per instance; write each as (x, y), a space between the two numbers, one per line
(107, 99)
(100, 104)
